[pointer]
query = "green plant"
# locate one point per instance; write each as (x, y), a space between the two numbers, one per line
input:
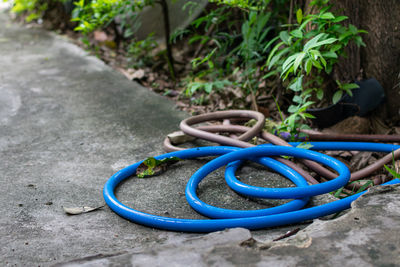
(141, 52)
(33, 8)
(152, 166)
(237, 46)
(342, 192)
(206, 87)
(393, 171)
(305, 54)
(94, 14)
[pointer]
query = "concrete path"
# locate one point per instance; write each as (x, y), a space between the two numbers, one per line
(68, 122)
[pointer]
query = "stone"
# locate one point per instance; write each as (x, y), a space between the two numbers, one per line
(351, 125)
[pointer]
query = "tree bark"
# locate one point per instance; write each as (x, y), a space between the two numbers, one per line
(380, 59)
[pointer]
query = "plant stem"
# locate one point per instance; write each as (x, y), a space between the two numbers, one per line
(167, 28)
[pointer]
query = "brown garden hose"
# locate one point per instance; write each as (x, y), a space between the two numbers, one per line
(168, 146)
(209, 133)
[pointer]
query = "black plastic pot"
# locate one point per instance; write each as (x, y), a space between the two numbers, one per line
(366, 98)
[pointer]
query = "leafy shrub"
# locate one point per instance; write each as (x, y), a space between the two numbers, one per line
(33, 8)
(310, 49)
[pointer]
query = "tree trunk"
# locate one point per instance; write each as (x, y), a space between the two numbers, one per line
(380, 59)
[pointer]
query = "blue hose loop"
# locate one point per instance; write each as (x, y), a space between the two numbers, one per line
(295, 204)
(275, 165)
(262, 192)
(276, 193)
(188, 225)
(350, 146)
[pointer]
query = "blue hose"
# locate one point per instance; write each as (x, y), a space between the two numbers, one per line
(262, 192)
(257, 222)
(259, 151)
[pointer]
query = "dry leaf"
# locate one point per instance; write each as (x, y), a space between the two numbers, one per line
(80, 210)
(100, 36)
(139, 74)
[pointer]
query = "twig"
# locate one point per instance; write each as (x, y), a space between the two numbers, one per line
(290, 14)
(201, 45)
(288, 234)
(167, 27)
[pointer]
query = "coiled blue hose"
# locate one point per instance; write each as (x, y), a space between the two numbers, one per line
(257, 222)
(260, 151)
(262, 192)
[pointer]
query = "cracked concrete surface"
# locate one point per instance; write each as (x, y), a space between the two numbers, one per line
(365, 236)
(68, 122)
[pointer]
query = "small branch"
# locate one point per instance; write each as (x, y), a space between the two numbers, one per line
(288, 234)
(167, 28)
(290, 14)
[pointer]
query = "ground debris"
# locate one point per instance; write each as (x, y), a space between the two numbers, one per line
(80, 210)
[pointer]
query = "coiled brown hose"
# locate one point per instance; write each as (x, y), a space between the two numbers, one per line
(208, 133)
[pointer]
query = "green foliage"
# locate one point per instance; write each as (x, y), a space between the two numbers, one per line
(392, 170)
(33, 8)
(92, 15)
(243, 4)
(141, 52)
(342, 193)
(206, 87)
(152, 166)
(310, 48)
(237, 52)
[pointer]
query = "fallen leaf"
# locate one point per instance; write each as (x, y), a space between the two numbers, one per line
(139, 74)
(151, 166)
(80, 210)
(100, 36)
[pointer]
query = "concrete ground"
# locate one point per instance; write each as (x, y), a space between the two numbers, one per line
(68, 122)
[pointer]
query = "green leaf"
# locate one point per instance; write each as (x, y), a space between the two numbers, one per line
(327, 15)
(285, 37)
(365, 186)
(208, 87)
(340, 18)
(270, 43)
(150, 162)
(289, 63)
(336, 47)
(337, 96)
(314, 42)
(320, 94)
(308, 115)
(297, 33)
(308, 66)
(271, 54)
(297, 99)
(345, 35)
(359, 42)
(305, 145)
(269, 74)
(353, 29)
(392, 172)
(293, 109)
(316, 64)
(338, 192)
(330, 54)
(297, 85)
(285, 75)
(278, 56)
(298, 60)
(299, 15)
(349, 86)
